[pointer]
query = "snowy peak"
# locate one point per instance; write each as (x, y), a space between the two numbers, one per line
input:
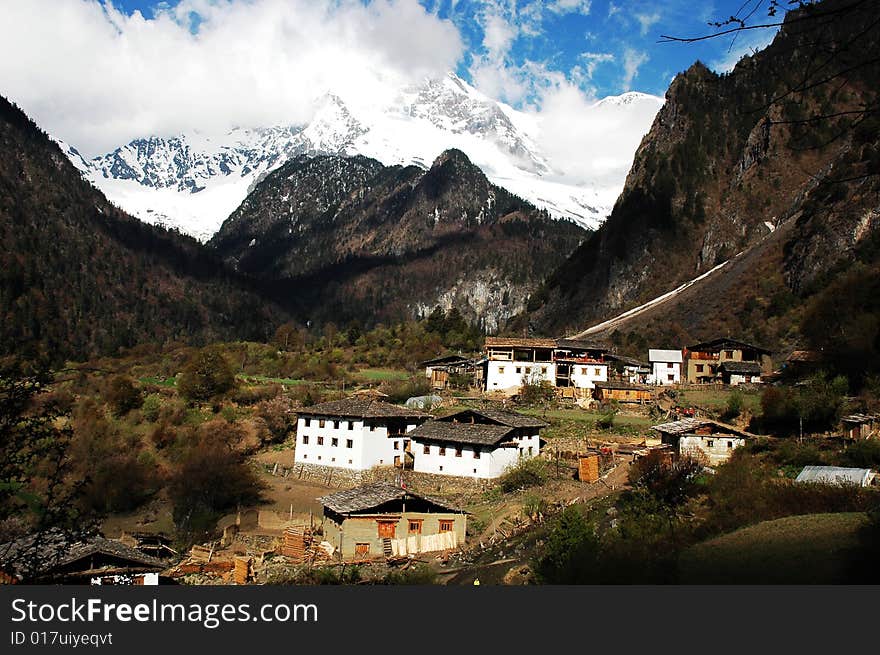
(194, 181)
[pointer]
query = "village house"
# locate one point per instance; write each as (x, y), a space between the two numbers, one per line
(475, 443)
(439, 369)
(726, 360)
(838, 475)
(702, 438)
(382, 520)
(50, 558)
(564, 363)
(861, 426)
(628, 369)
(665, 366)
(622, 392)
(356, 433)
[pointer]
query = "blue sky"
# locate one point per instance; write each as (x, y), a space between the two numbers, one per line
(604, 46)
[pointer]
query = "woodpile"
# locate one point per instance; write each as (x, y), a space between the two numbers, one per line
(243, 571)
(298, 543)
(201, 553)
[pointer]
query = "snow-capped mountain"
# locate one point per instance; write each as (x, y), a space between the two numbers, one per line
(194, 181)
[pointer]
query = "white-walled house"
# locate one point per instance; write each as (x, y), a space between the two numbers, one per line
(475, 443)
(665, 366)
(713, 440)
(355, 433)
(564, 363)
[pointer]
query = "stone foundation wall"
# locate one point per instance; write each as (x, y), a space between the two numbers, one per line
(417, 482)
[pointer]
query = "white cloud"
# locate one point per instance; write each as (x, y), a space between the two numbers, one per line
(97, 78)
(647, 21)
(632, 61)
(562, 7)
(593, 59)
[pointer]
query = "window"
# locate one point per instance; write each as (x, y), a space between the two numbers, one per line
(335, 425)
(670, 377)
(543, 370)
(333, 460)
(427, 450)
(442, 450)
(305, 456)
(305, 439)
(446, 525)
(441, 468)
(334, 442)
(583, 370)
(361, 550)
(500, 369)
(710, 442)
(351, 425)
(530, 450)
(458, 452)
(349, 461)
(396, 445)
(349, 443)
(669, 365)
(475, 471)
(728, 353)
(415, 526)
(699, 368)
(320, 441)
(321, 423)
(528, 370)
(597, 372)
(730, 444)
(477, 454)
(319, 458)
(518, 370)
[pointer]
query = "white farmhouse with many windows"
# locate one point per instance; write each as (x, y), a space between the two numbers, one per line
(475, 443)
(355, 433)
(564, 363)
(665, 366)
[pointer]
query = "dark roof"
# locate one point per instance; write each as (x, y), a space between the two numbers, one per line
(629, 361)
(52, 550)
(860, 419)
(752, 368)
(446, 359)
(808, 356)
(613, 384)
(726, 343)
(501, 417)
(375, 494)
(579, 344)
(691, 425)
(513, 342)
(363, 407)
(467, 433)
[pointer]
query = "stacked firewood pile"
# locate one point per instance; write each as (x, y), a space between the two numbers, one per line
(298, 543)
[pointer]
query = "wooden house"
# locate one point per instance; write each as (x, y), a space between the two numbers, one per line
(623, 392)
(355, 433)
(861, 426)
(475, 443)
(726, 360)
(382, 520)
(713, 440)
(439, 369)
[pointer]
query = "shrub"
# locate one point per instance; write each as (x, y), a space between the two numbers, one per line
(606, 421)
(400, 390)
(527, 472)
(536, 391)
(207, 375)
(570, 553)
(278, 416)
(150, 408)
(735, 402)
(670, 482)
(122, 395)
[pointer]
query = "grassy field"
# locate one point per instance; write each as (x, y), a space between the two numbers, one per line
(716, 399)
(262, 379)
(381, 374)
(808, 549)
